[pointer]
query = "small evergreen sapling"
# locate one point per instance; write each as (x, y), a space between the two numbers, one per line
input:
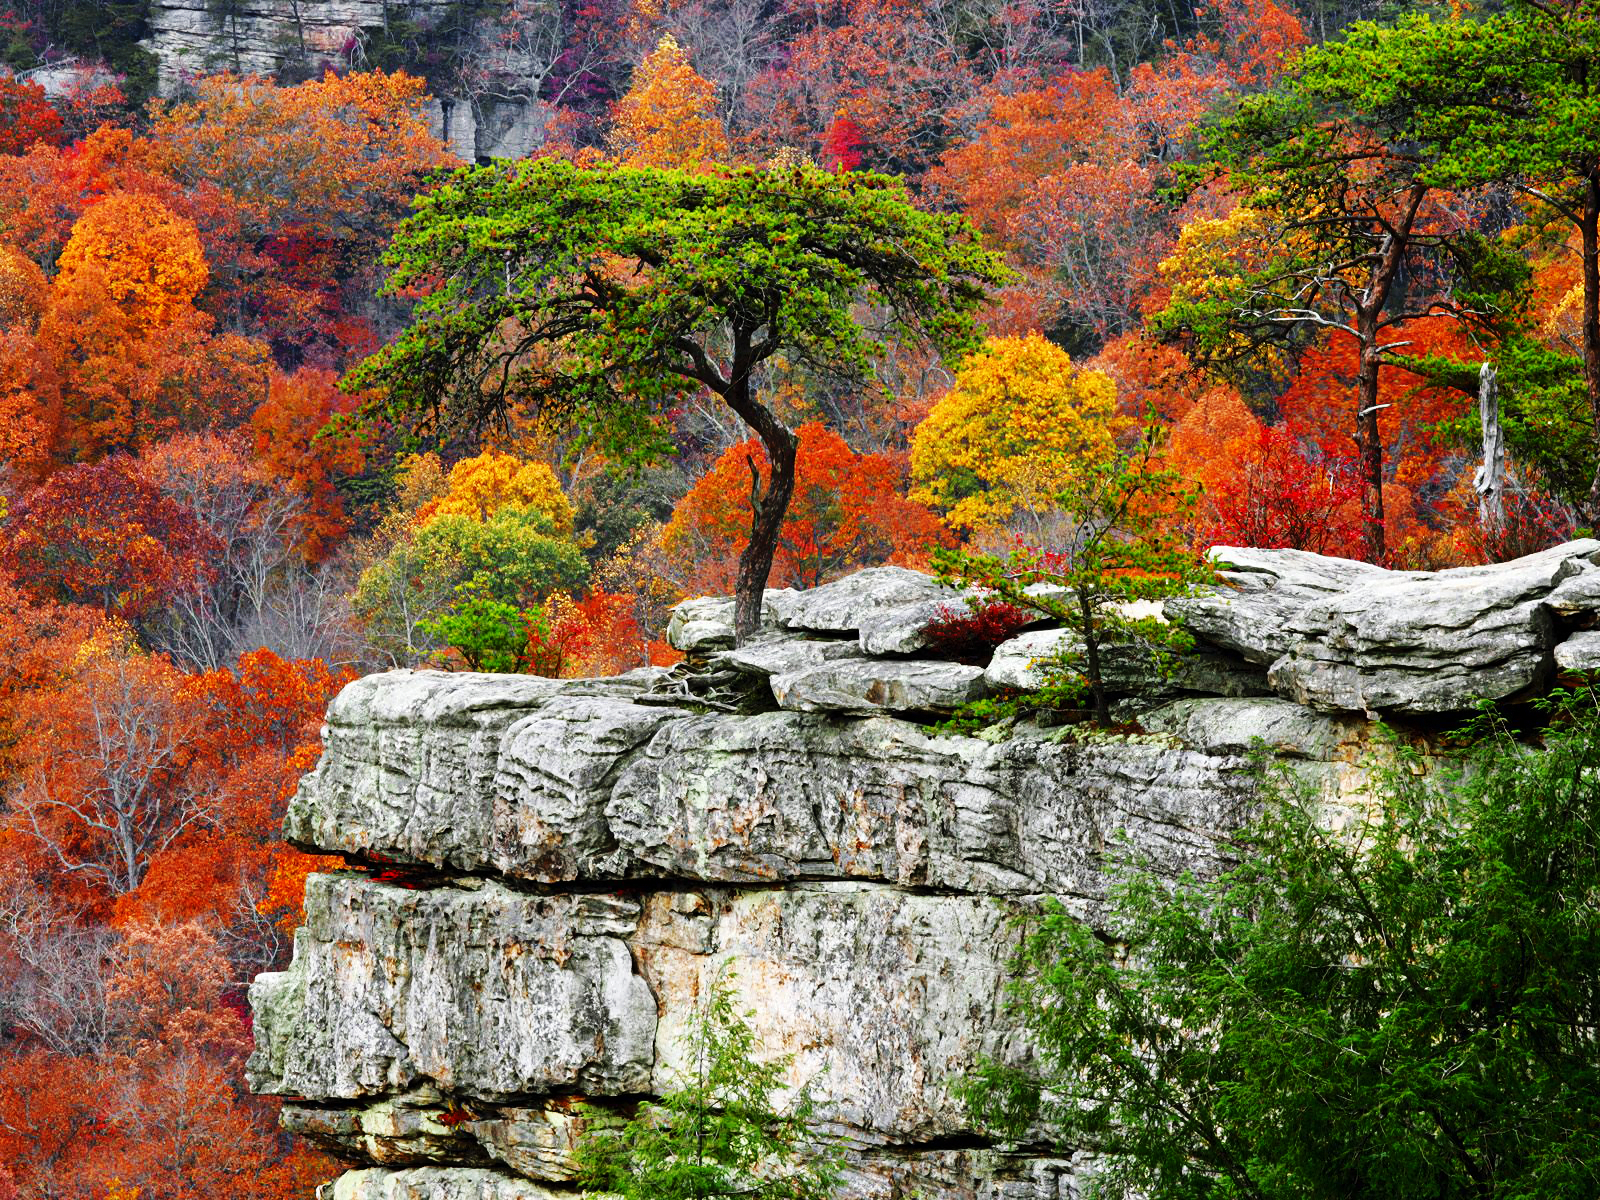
(1125, 542)
(716, 1134)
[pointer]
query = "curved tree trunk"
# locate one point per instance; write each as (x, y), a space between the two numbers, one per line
(770, 506)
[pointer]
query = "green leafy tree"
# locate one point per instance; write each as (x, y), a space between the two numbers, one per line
(512, 559)
(610, 291)
(1407, 1007)
(1122, 542)
(716, 1134)
(1512, 100)
(489, 634)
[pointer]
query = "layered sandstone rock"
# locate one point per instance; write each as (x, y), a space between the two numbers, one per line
(547, 875)
(303, 38)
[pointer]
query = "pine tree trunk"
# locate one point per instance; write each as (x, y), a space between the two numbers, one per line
(1589, 231)
(1369, 442)
(770, 505)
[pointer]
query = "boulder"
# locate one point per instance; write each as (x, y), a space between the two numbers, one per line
(1236, 726)
(878, 685)
(1020, 662)
(877, 594)
(1580, 652)
(1577, 598)
(902, 628)
(1434, 643)
(552, 782)
(705, 623)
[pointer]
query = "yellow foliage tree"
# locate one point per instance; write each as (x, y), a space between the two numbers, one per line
(1215, 254)
(668, 117)
(1007, 437)
(479, 487)
(148, 259)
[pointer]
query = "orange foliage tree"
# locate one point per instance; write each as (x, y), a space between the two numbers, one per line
(148, 259)
(121, 356)
(668, 116)
(847, 512)
(296, 187)
(297, 443)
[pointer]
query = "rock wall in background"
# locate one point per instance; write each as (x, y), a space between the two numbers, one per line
(503, 119)
(549, 873)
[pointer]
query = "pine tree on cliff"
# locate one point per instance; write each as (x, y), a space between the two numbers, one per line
(605, 294)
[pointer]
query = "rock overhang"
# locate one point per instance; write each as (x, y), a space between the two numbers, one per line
(858, 871)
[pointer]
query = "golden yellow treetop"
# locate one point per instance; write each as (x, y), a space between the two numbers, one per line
(1018, 420)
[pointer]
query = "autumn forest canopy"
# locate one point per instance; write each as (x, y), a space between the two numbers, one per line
(290, 393)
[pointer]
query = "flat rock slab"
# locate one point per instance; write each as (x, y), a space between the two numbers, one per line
(844, 605)
(879, 685)
(1265, 590)
(581, 788)
(409, 760)
(483, 992)
(768, 655)
(1433, 643)
(705, 623)
(1346, 636)
(440, 1183)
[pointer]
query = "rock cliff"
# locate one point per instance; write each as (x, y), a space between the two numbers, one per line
(547, 874)
(503, 118)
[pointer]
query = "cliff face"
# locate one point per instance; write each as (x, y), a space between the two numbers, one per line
(263, 37)
(555, 870)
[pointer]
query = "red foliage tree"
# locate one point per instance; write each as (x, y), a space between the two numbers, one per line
(26, 118)
(1421, 466)
(101, 536)
(1275, 497)
(841, 145)
(847, 512)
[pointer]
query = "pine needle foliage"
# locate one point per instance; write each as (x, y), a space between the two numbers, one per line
(717, 1133)
(1406, 1008)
